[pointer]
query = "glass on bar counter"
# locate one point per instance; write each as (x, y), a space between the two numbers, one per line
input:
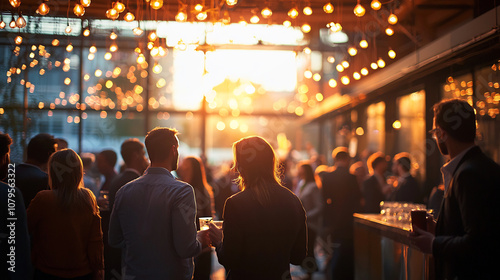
(393, 211)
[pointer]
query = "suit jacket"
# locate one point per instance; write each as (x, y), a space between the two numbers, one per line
(467, 245)
(407, 191)
(260, 241)
(119, 181)
(372, 193)
(342, 198)
(30, 180)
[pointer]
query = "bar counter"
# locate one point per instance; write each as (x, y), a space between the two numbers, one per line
(382, 250)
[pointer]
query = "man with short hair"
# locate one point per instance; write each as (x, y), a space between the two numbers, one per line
(375, 187)
(14, 239)
(106, 161)
(465, 241)
(407, 189)
(31, 176)
(153, 218)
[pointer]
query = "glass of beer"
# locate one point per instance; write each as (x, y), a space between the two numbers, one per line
(204, 221)
(418, 219)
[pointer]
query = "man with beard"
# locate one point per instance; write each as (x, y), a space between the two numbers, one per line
(464, 242)
(153, 218)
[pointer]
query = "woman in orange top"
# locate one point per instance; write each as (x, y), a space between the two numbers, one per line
(65, 225)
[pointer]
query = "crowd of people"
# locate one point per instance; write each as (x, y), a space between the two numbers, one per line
(77, 217)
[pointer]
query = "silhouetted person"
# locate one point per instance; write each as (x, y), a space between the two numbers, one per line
(31, 176)
(465, 244)
(61, 144)
(264, 224)
(89, 182)
(12, 207)
(375, 187)
(342, 198)
(106, 161)
(407, 189)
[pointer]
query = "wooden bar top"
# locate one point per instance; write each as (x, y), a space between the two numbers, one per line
(396, 230)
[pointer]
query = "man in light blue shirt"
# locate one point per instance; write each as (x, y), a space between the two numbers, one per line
(153, 218)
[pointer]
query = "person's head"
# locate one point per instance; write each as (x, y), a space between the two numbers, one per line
(61, 144)
(88, 160)
(5, 142)
(192, 171)
(358, 169)
(377, 163)
(40, 148)
(305, 172)
(134, 155)
(341, 156)
(454, 120)
(256, 163)
(106, 161)
(162, 145)
(65, 170)
(401, 164)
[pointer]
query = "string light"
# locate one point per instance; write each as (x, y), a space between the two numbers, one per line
(69, 47)
(332, 83)
(392, 19)
(345, 80)
(113, 47)
(86, 32)
(198, 7)
(68, 29)
(339, 68)
(43, 9)
(328, 8)
(352, 51)
(364, 71)
(21, 22)
(2, 23)
(287, 23)
(266, 12)
(345, 64)
(363, 44)
(120, 7)
(231, 3)
(85, 3)
(306, 28)
(376, 5)
(12, 23)
(152, 36)
(391, 53)
(389, 31)
(113, 35)
(374, 66)
(181, 16)
(15, 3)
(254, 19)
(307, 11)
(359, 11)
(137, 31)
(356, 76)
(78, 10)
(202, 16)
(18, 40)
(381, 63)
(293, 13)
(129, 17)
(156, 4)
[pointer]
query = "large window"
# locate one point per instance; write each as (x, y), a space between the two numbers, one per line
(375, 127)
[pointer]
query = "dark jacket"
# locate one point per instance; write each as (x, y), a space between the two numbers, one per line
(407, 191)
(30, 180)
(372, 193)
(260, 241)
(467, 245)
(342, 198)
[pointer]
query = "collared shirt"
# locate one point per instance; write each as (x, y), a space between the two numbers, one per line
(153, 222)
(132, 170)
(449, 167)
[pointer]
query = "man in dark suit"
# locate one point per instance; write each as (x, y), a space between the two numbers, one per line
(407, 189)
(466, 243)
(342, 198)
(375, 187)
(31, 176)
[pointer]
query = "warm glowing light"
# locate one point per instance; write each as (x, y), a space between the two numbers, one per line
(98, 73)
(356, 76)
(363, 44)
(396, 124)
(376, 5)
(389, 31)
(331, 59)
(374, 65)
(317, 77)
(120, 7)
(141, 59)
(332, 83)
(67, 81)
(181, 16)
(113, 47)
(69, 47)
(198, 7)
(113, 35)
(392, 19)
(345, 64)
(364, 71)
(15, 3)
(152, 36)
(137, 31)
(307, 50)
(55, 42)
(156, 4)
(108, 56)
(287, 23)
(43, 9)
(129, 17)
(78, 10)
(392, 54)
(234, 124)
(266, 12)
(221, 125)
(2, 24)
(18, 40)
(352, 51)
(381, 63)
(231, 3)
(293, 13)
(201, 16)
(340, 68)
(92, 49)
(328, 8)
(68, 29)
(308, 74)
(334, 27)
(307, 11)
(21, 22)
(254, 19)
(345, 80)
(109, 84)
(306, 28)
(157, 68)
(299, 111)
(85, 3)
(360, 131)
(359, 11)
(86, 32)
(112, 14)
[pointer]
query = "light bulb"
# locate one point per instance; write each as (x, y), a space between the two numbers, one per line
(120, 7)
(181, 46)
(201, 16)
(307, 11)
(231, 3)
(307, 50)
(18, 40)
(129, 17)
(85, 3)
(356, 76)
(374, 65)
(293, 13)
(92, 49)
(55, 42)
(78, 10)
(15, 3)
(12, 23)
(150, 45)
(345, 80)
(137, 31)
(339, 68)
(364, 71)
(287, 23)
(328, 8)
(141, 59)
(68, 29)
(157, 68)
(181, 17)
(352, 51)
(345, 64)
(69, 47)
(112, 14)
(156, 4)
(21, 22)
(392, 54)
(392, 19)
(86, 32)
(332, 83)
(2, 24)
(108, 56)
(113, 47)
(266, 12)
(198, 7)
(376, 5)
(389, 31)
(359, 11)
(381, 63)
(306, 28)
(161, 51)
(152, 36)
(363, 44)
(43, 9)
(113, 35)
(254, 19)
(155, 51)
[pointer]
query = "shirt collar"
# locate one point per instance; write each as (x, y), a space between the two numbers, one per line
(449, 167)
(132, 170)
(158, 170)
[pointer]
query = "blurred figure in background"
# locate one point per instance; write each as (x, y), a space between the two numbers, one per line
(106, 161)
(89, 182)
(375, 187)
(31, 176)
(358, 169)
(342, 198)
(61, 144)
(310, 196)
(224, 187)
(65, 224)
(192, 171)
(407, 189)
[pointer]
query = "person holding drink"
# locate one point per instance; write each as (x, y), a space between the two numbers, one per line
(264, 228)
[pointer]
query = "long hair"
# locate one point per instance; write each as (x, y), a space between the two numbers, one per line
(308, 172)
(66, 180)
(199, 180)
(256, 163)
